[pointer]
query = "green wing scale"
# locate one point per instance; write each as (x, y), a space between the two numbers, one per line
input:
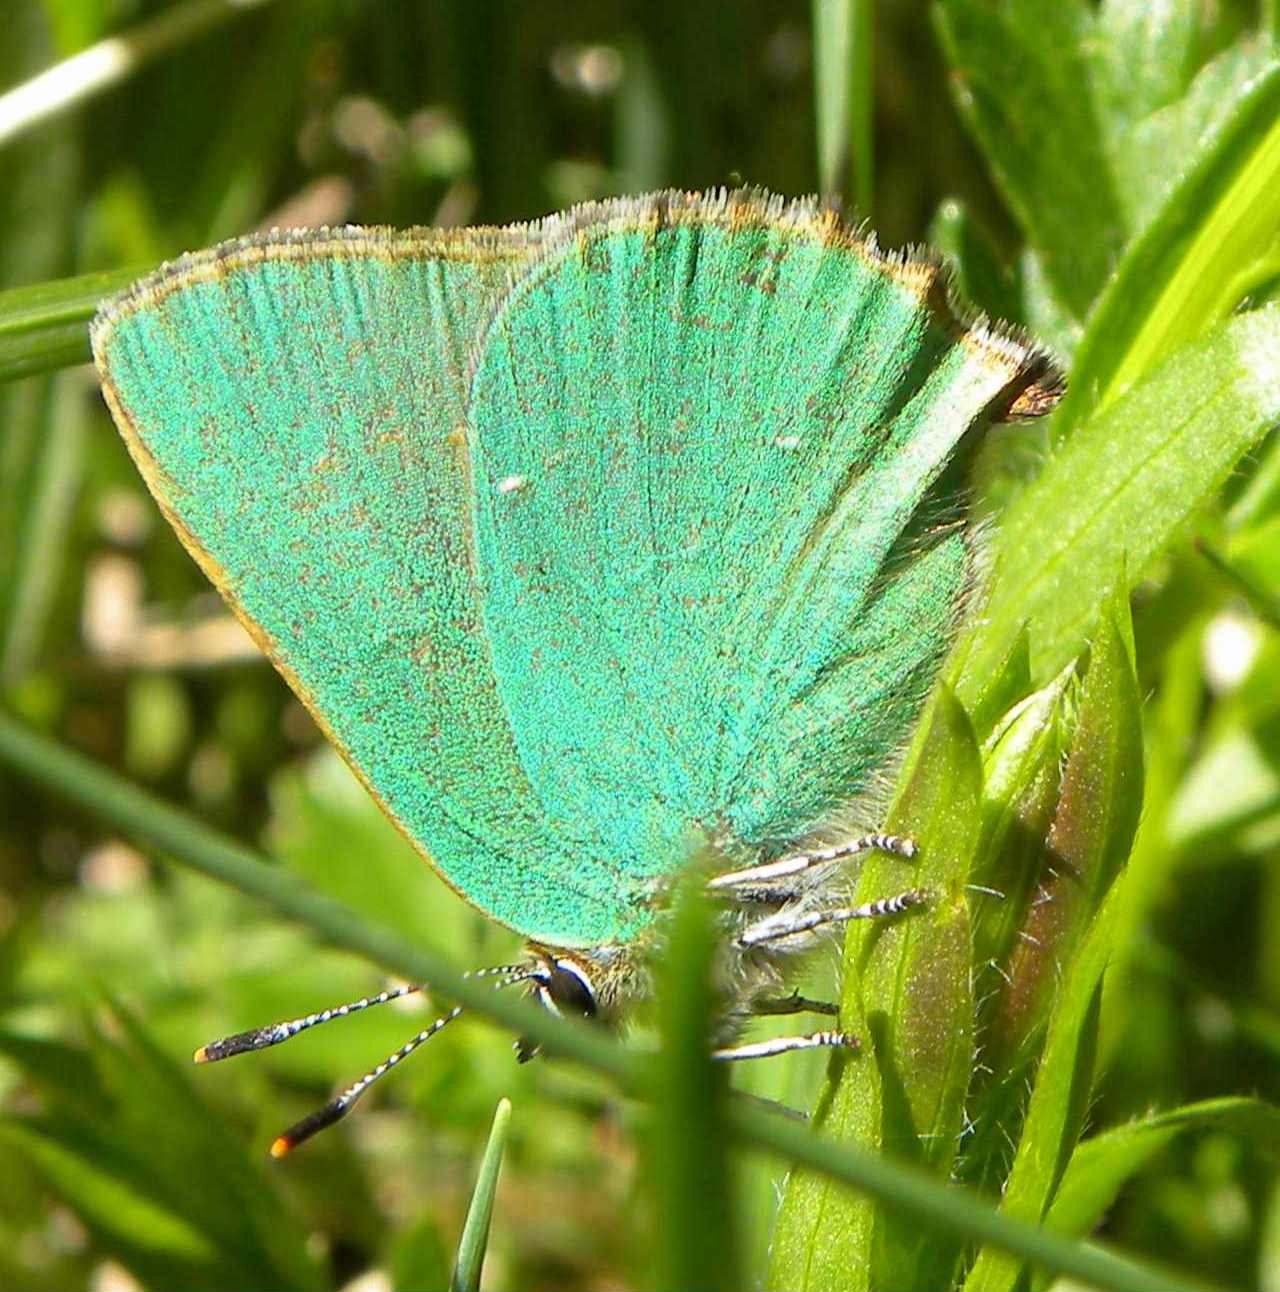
(583, 540)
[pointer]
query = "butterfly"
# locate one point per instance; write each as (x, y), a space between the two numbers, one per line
(599, 546)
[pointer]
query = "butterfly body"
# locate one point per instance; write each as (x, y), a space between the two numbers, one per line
(599, 547)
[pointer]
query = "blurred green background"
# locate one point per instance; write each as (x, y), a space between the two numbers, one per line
(113, 967)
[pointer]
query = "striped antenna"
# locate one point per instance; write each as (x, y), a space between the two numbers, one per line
(261, 1038)
(342, 1103)
(337, 1108)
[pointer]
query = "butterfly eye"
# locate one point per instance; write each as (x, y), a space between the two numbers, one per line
(567, 990)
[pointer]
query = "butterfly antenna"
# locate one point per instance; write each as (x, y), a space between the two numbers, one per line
(342, 1103)
(261, 1038)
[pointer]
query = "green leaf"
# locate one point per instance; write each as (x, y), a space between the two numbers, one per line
(1059, 1100)
(47, 326)
(1215, 235)
(167, 1187)
(475, 1232)
(695, 1224)
(1150, 460)
(1088, 115)
(143, 1230)
(908, 994)
(1022, 73)
(42, 515)
(1101, 1165)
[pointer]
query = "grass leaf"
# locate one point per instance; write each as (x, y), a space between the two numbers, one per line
(475, 1232)
(843, 84)
(47, 326)
(1214, 238)
(1101, 1165)
(695, 1226)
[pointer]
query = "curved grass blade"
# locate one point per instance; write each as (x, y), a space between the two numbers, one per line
(46, 326)
(475, 1229)
(1151, 458)
(911, 1192)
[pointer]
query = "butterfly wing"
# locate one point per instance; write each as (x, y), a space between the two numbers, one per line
(718, 578)
(296, 405)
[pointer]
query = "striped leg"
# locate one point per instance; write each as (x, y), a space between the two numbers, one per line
(786, 924)
(800, 861)
(785, 1045)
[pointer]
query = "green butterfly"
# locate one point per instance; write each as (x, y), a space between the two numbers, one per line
(601, 546)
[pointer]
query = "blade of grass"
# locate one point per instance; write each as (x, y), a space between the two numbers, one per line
(45, 326)
(1100, 1167)
(45, 527)
(844, 99)
(694, 1230)
(1193, 264)
(109, 62)
(1151, 459)
(902, 1188)
(475, 1229)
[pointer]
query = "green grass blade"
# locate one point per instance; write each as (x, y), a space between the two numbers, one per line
(47, 326)
(159, 1178)
(1151, 459)
(42, 523)
(695, 1229)
(98, 68)
(1100, 1166)
(475, 1230)
(900, 1188)
(844, 100)
(1215, 238)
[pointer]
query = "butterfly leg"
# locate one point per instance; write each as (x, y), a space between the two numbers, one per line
(787, 924)
(797, 862)
(785, 1045)
(793, 1004)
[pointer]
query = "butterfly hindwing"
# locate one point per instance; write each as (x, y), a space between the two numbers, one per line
(717, 584)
